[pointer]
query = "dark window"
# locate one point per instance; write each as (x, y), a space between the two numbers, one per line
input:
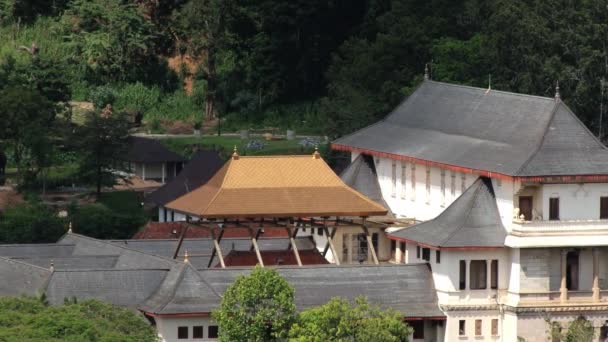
(320, 231)
(438, 256)
(418, 252)
(478, 277)
(462, 327)
(393, 250)
(463, 275)
(494, 275)
(603, 207)
(165, 214)
(553, 208)
(375, 241)
(494, 327)
(197, 331)
(403, 252)
(426, 254)
(572, 270)
(182, 333)
(525, 207)
(477, 327)
(418, 327)
(213, 331)
(172, 216)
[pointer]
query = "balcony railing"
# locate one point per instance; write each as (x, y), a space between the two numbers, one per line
(560, 226)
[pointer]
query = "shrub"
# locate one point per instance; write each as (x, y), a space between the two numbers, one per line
(30, 223)
(102, 96)
(99, 221)
(137, 97)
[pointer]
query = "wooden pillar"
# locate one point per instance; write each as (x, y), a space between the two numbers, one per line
(331, 244)
(292, 241)
(216, 248)
(181, 236)
(370, 245)
(596, 276)
(254, 243)
(563, 290)
(163, 168)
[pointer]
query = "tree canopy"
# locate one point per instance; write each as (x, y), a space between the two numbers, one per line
(339, 320)
(31, 320)
(257, 307)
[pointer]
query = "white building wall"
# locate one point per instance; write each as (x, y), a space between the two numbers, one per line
(167, 328)
(170, 214)
(470, 318)
(406, 200)
(576, 201)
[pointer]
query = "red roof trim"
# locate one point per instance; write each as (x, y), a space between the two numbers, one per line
(456, 168)
(463, 248)
(490, 174)
(432, 318)
(178, 315)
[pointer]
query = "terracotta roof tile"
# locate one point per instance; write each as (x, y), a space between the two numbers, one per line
(273, 187)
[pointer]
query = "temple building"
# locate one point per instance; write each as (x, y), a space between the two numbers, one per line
(149, 159)
(509, 193)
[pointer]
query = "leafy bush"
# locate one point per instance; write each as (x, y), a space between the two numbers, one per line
(98, 221)
(102, 96)
(137, 97)
(30, 223)
(31, 319)
(176, 106)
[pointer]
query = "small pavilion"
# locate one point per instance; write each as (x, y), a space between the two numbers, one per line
(276, 192)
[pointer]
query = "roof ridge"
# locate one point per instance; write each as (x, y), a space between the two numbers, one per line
(466, 216)
(597, 140)
(120, 246)
(24, 263)
(109, 270)
(204, 281)
(542, 140)
(491, 90)
(179, 279)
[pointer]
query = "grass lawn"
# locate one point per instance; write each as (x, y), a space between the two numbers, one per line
(225, 145)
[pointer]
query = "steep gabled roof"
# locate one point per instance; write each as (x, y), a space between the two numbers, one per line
(144, 150)
(202, 166)
(472, 220)
(361, 175)
(275, 186)
(485, 131)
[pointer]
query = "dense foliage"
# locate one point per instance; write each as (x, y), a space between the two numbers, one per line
(257, 307)
(339, 320)
(32, 320)
(30, 223)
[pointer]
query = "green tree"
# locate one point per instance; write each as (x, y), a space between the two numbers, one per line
(257, 307)
(30, 223)
(102, 141)
(32, 320)
(339, 320)
(579, 330)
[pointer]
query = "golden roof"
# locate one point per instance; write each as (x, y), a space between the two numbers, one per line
(275, 186)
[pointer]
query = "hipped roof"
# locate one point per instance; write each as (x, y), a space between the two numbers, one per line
(144, 150)
(275, 186)
(472, 220)
(485, 131)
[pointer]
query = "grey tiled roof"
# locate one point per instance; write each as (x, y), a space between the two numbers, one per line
(144, 150)
(184, 290)
(496, 131)
(36, 250)
(121, 287)
(19, 278)
(407, 288)
(197, 172)
(472, 220)
(73, 262)
(361, 175)
(166, 248)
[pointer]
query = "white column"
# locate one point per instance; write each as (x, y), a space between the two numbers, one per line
(398, 253)
(596, 276)
(163, 168)
(143, 171)
(562, 288)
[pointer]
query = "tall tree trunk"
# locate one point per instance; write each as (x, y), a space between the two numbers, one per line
(98, 180)
(210, 113)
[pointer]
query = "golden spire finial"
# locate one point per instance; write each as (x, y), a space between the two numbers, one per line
(235, 153)
(52, 268)
(316, 154)
(186, 257)
(70, 227)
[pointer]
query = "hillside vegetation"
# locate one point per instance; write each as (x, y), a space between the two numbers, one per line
(318, 66)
